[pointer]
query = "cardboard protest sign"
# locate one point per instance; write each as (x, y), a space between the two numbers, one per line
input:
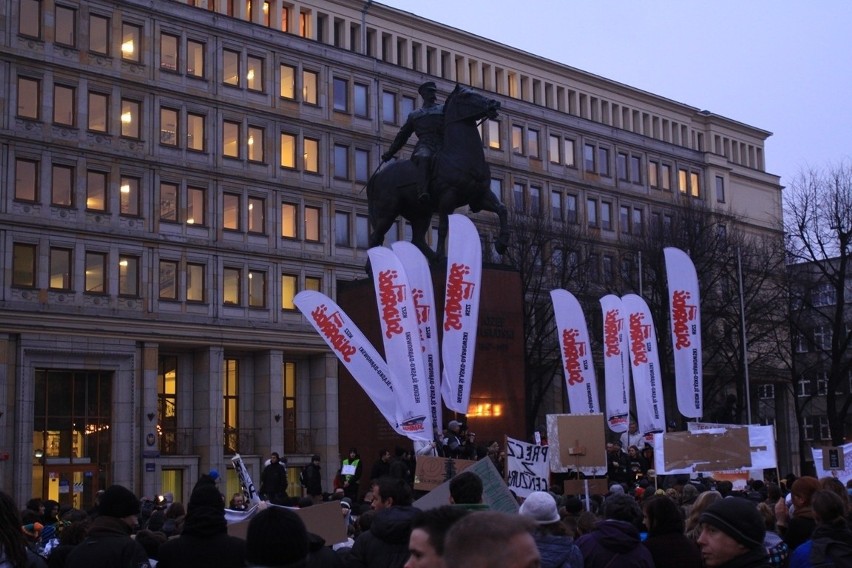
(578, 486)
(495, 494)
(577, 442)
(325, 520)
(717, 449)
(844, 457)
(432, 471)
(528, 467)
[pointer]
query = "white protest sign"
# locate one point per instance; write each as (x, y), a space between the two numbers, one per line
(528, 467)
(844, 474)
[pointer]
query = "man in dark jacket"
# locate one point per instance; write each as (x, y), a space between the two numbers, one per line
(204, 541)
(273, 481)
(108, 544)
(615, 540)
(312, 479)
(385, 545)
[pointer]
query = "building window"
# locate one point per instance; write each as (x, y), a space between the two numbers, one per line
(823, 295)
(231, 286)
(517, 139)
(533, 147)
(666, 177)
(195, 58)
(652, 174)
(362, 165)
(96, 191)
(60, 269)
(230, 139)
(636, 169)
(801, 343)
(556, 205)
(313, 284)
(361, 99)
(257, 289)
(312, 224)
(288, 151)
(288, 291)
(608, 271)
(553, 149)
(309, 87)
(168, 202)
(231, 405)
(682, 181)
(131, 43)
(95, 273)
(98, 112)
(603, 161)
(29, 98)
(592, 212)
(606, 216)
(808, 428)
(362, 232)
(406, 105)
(195, 199)
(638, 222)
(694, 185)
(720, 189)
(518, 197)
(128, 276)
(341, 161)
(822, 337)
(62, 186)
(195, 282)
(535, 200)
(128, 196)
(99, 27)
(824, 430)
(167, 405)
(624, 219)
(169, 52)
(311, 155)
(130, 119)
(254, 73)
(568, 153)
(803, 387)
(254, 144)
(493, 132)
(287, 89)
(256, 215)
(766, 391)
(195, 137)
(231, 68)
(231, 212)
(30, 18)
(589, 158)
(341, 229)
(24, 265)
(64, 101)
(388, 107)
(570, 208)
(621, 166)
(168, 126)
(26, 180)
(822, 384)
(168, 280)
(288, 221)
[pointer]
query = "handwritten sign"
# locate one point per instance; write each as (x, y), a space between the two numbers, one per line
(528, 467)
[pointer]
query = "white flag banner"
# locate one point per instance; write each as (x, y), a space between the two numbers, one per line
(684, 307)
(423, 295)
(616, 364)
(644, 366)
(401, 337)
(577, 364)
(461, 312)
(527, 467)
(246, 483)
(353, 350)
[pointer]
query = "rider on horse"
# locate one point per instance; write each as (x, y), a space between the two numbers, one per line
(427, 122)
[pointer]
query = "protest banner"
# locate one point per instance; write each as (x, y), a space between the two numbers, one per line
(577, 442)
(495, 494)
(432, 471)
(527, 466)
(843, 469)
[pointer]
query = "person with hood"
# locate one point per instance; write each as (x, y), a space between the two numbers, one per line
(108, 543)
(273, 480)
(615, 540)
(385, 545)
(556, 548)
(204, 541)
(276, 537)
(831, 542)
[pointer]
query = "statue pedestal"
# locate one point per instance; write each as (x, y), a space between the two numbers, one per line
(497, 403)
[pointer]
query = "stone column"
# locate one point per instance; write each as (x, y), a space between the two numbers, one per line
(149, 440)
(207, 409)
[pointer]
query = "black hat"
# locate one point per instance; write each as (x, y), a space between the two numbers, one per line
(265, 545)
(118, 501)
(205, 495)
(427, 86)
(737, 518)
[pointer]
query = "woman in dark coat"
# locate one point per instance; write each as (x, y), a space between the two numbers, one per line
(669, 546)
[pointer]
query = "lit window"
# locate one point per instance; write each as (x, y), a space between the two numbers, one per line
(128, 276)
(26, 180)
(168, 202)
(95, 273)
(553, 149)
(29, 98)
(169, 52)
(288, 221)
(682, 181)
(652, 174)
(313, 284)
(694, 185)
(194, 58)
(288, 82)
(23, 265)
(312, 224)
(96, 191)
(128, 194)
(309, 87)
(255, 144)
(517, 139)
(195, 198)
(493, 130)
(231, 212)
(256, 215)
(254, 73)
(257, 289)
(533, 143)
(311, 155)
(288, 150)
(131, 46)
(195, 282)
(60, 269)
(231, 286)
(341, 229)
(99, 27)
(64, 100)
(341, 161)
(568, 148)
(231, 68)
(98, 109)
(361, 97)
(62, 186)
(168, 126)
(130, 119)
(341, 86)
(666, 177)
(195, 132)
(230, 139)
(288, 291)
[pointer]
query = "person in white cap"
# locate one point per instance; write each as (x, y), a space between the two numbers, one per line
(556, 547)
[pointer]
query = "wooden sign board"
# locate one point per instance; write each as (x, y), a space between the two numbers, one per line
(578, 486)
(432, 471)
(710, 450)
(495, 493)
(325, 520)
(577, 442)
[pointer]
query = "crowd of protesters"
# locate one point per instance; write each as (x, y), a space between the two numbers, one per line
(799, 523)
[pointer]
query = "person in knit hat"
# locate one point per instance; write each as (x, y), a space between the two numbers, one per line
(108, 543)
(204, 540)
(276, 537)
(732, 534)
(556, 547)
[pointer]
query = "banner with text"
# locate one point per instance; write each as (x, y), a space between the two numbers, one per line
(616, 364)
(401, 337)
(353, 349)
(576, 351)
(461, 312)
(685, 310)
(527, 467)
(644, 365)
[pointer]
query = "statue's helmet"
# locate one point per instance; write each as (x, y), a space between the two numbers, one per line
(426, 87)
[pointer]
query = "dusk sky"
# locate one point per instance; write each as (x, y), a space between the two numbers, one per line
(779, 65)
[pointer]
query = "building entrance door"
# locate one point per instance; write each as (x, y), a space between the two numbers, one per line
(68, 484)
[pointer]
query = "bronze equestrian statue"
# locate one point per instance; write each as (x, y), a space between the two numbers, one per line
(458, 175)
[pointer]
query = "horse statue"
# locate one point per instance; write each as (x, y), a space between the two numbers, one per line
(460, 176)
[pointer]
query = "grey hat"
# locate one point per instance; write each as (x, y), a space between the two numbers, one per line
(540, 506)
(454, 424)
